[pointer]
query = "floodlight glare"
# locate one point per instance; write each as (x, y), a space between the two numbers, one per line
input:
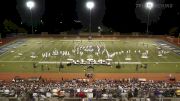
(30, 4)
(149, 5)
(90, 4)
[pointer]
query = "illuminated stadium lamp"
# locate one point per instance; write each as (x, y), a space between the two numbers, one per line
(90, 6)
(30, 5)
(149, 6)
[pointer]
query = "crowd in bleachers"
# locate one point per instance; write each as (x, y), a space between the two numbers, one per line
(85, 88)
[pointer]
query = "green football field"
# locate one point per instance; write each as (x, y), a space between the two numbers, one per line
(126, 55)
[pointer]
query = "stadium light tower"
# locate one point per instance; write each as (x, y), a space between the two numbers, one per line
(90, 6)
(30, 5)
(149, 6)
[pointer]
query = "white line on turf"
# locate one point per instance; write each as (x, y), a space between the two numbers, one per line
(54, 62)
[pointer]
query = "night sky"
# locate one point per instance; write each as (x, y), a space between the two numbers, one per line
(55, 16)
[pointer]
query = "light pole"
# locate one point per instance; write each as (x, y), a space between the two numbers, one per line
(30, 5)
(90, 6)
(149, 6)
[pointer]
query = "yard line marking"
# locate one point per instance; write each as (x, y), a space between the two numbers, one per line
(16, 61)
(64, 62)
(146, 62)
